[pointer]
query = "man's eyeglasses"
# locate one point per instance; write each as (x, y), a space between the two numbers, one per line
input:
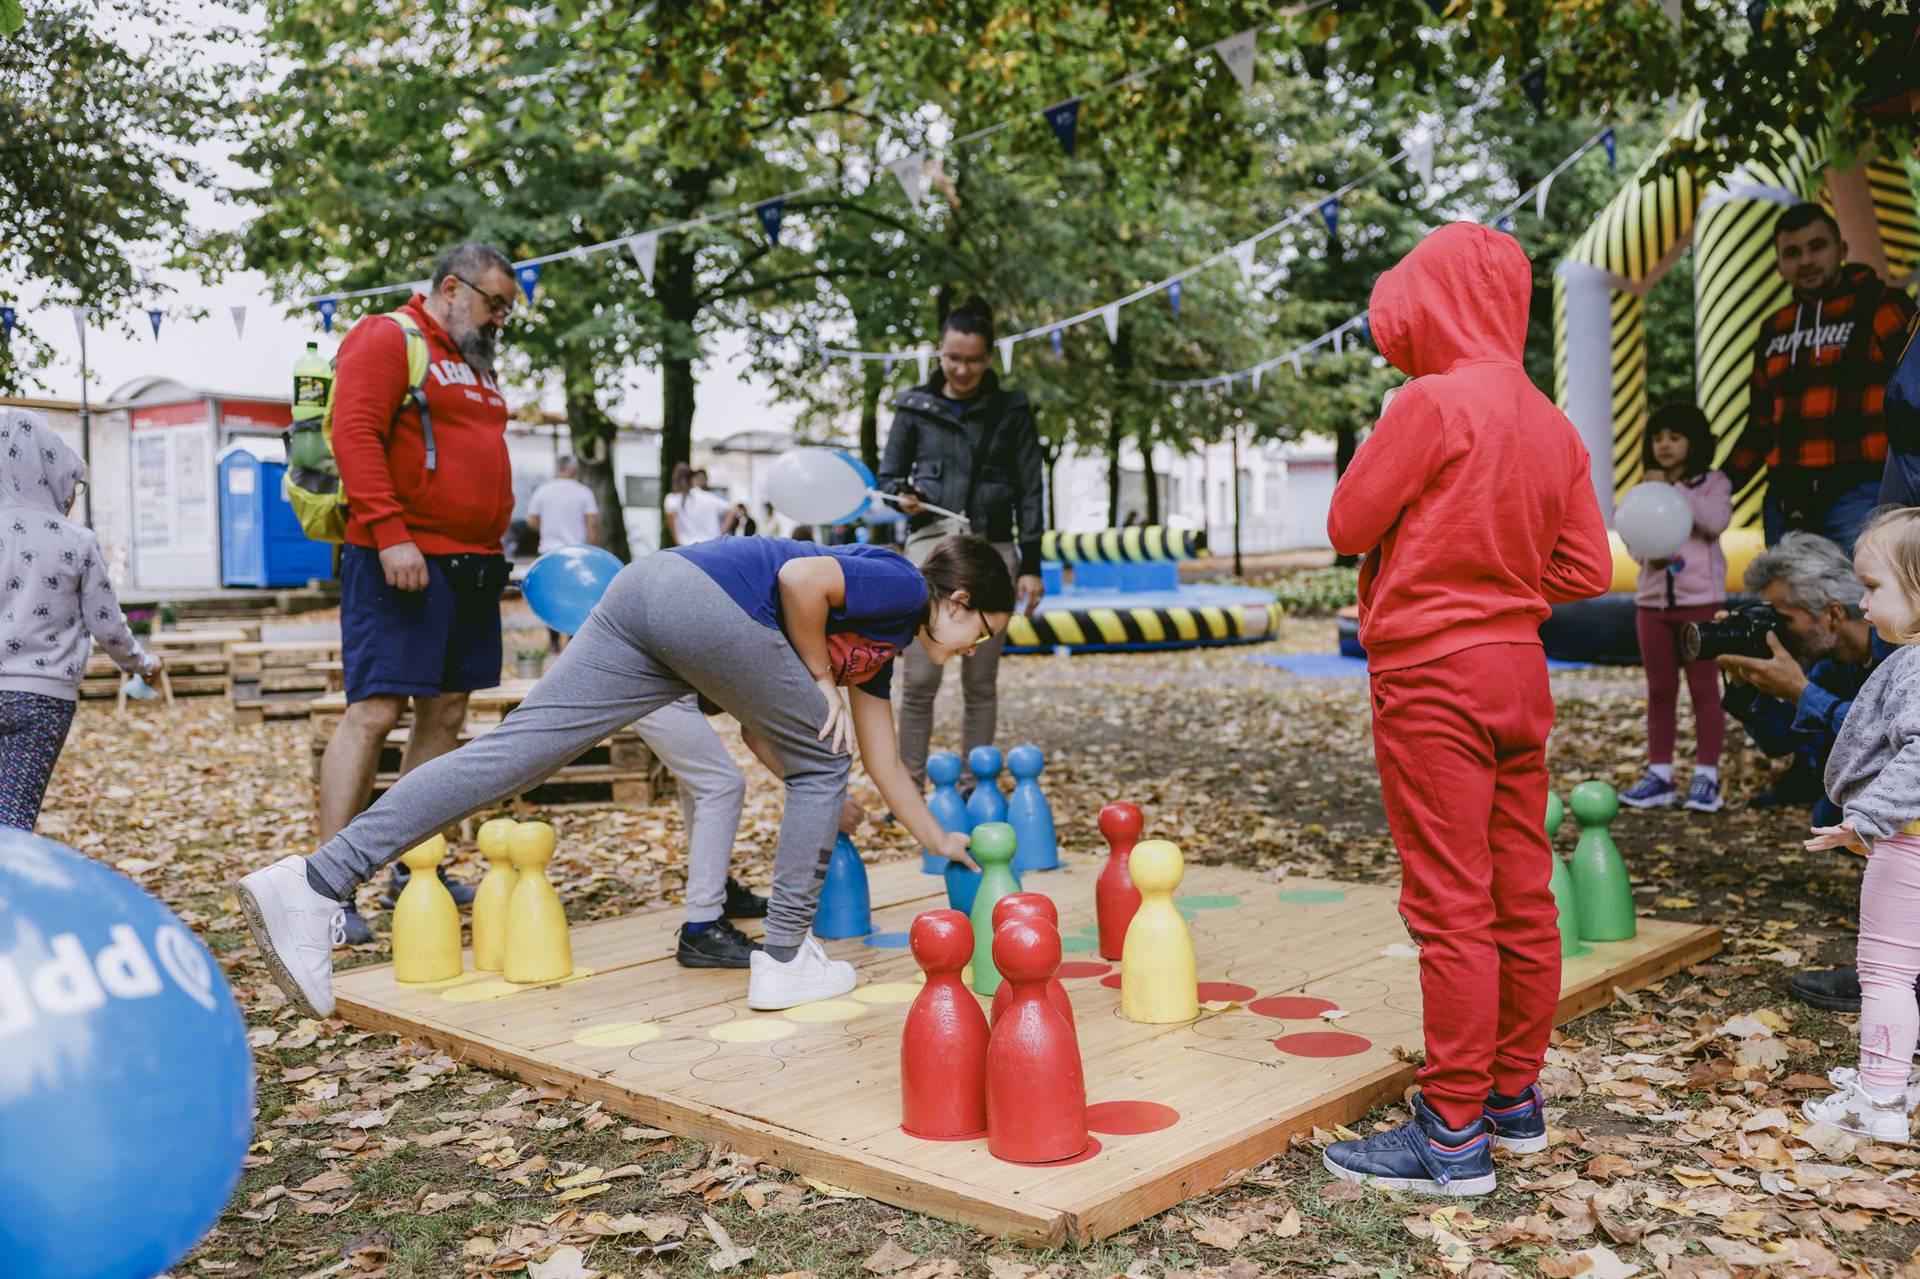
(501, 307)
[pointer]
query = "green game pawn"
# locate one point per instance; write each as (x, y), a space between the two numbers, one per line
(1561, 884)
(992, 847)
(1603, 896)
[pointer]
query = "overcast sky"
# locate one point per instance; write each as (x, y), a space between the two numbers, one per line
(208, 353)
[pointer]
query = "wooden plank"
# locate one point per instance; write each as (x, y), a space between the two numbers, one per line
(816, 1089)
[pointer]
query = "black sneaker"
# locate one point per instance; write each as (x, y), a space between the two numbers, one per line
(462, 893)
(743, 903)
(355, 931)
(721, 946)
(1519, 1123)
(1836, 989)
(1798, 787)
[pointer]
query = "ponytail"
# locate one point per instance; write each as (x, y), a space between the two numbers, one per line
(968, 563)
(973, 316)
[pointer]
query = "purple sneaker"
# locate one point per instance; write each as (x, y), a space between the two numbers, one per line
(1651, 791)
(1703, 796)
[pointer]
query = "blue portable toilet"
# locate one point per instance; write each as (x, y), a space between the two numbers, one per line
(261, 543)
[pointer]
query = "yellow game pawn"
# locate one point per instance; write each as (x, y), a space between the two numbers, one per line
(1159, 981)
(426, 923)
(538, 948)
(491, 899)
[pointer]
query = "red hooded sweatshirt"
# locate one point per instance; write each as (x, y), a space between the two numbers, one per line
(461, 506)
(1472, 496)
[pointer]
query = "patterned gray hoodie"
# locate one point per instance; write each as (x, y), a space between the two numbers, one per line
(54, 589)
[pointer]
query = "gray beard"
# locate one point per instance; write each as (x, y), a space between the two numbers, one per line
(478, 345)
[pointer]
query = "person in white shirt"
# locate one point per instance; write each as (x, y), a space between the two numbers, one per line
(563, 511)
(694, 514)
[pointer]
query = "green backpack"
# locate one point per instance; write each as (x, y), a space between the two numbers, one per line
(313, 486)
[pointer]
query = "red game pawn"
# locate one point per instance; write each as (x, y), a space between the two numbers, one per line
(943, 1046)
(1036, 1093)
(1030, 906)
(1114, 896)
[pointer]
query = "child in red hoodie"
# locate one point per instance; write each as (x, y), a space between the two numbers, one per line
(1473, 500)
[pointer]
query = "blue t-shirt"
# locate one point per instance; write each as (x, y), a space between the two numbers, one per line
(885, 598)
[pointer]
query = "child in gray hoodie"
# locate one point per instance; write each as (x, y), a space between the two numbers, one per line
(54, 598)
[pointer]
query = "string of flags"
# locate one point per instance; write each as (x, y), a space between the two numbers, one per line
(1336, 336)
(1238, 53)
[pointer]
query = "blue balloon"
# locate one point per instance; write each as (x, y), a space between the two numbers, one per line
(126, 1085)
(563, 586)
(866, 478)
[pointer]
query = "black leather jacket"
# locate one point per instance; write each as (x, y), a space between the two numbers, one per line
(980, 457)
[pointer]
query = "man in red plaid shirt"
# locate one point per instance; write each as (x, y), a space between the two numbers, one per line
(1820, 370)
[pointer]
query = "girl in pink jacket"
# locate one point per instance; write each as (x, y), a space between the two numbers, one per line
(1688, 587)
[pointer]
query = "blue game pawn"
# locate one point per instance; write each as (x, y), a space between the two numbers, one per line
(962, 884)
(986, 804)
(1029, 813)
(943, 770)
(845, 908)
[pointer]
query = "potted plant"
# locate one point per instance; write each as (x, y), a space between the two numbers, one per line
(528, 662)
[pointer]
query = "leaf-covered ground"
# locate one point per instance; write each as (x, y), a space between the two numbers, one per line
(1680, 1149)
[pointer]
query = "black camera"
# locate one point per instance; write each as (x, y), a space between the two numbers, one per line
(1742, 633)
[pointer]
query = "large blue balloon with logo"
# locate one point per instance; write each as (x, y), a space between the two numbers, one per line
(866, 478)
(126, 1087)
(563, 586)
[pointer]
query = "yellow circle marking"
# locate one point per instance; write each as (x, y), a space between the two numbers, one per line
(617, 1034)
(760, 1030)
(887, 992)
(482, 991)
(827, 1010)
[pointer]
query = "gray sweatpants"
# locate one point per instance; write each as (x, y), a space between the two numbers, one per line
(920, 677)
(663, 630)
(712, 794)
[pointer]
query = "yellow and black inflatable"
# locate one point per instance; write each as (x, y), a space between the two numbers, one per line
(1145, 625)
(1125, 545)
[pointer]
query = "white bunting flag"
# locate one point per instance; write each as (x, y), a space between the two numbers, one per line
(79, 321)
(886, 369)
(1296, 366)
(1256, 379)
(912, 172)
(1238, 52)
(1111, 314)
(1243, 254)
(924, 359)
(645, 248)
(239, 321)
(1540, 196)
(1006, 355)
(1672, 9)
(1420, 155)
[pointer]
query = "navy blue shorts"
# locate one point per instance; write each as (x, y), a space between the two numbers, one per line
(445, 639)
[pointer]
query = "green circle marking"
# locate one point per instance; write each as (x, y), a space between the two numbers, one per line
(1071, 944)
(1313, 896)
(1208, 901)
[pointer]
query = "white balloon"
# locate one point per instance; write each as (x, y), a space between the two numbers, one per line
(1653, 520)
(815, 486)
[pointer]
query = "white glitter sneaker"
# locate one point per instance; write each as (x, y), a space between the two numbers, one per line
(296, 930)
(1853, 1109)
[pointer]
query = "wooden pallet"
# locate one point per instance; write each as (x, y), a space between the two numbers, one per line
(484, 706)
(197, 660)
(816, 1089)
(275, 680)
(620, 771)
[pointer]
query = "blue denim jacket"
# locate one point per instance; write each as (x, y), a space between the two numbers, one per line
(1808, 728)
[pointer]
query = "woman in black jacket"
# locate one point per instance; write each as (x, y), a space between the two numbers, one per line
(964, 442)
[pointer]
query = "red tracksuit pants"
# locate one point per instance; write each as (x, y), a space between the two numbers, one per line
(1461, 747)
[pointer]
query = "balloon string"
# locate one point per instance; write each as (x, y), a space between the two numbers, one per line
(897, 499)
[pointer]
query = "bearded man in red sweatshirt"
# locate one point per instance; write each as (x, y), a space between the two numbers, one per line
(1473, 502)
(429, 492)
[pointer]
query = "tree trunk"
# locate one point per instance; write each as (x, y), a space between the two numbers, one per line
(1150, 480)
(594, 435)
(873, 383)
(1115, 438)
(1345, 441)
(673, 282)
(1050, 458)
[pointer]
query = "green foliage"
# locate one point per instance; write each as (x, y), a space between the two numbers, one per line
(1313, 592)
(94, 125)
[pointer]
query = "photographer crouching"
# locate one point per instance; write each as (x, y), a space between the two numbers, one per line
(1809, 585)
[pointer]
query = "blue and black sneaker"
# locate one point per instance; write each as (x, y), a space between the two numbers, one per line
(1423, 1155)
(1519, 1123)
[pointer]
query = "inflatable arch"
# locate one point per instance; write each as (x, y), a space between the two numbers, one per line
(1600, 287)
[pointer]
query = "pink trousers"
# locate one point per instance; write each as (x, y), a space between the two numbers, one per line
(1889, 962)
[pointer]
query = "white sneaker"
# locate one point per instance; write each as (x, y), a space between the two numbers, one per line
(296, 930)
(1853, 1109)
(808, 976)
(1849, 1077)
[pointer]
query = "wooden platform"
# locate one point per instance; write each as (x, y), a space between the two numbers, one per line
(274, 680)
(816, 1088)
(197, 662)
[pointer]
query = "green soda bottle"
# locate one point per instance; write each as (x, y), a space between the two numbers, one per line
(312, 391)
(1561, 884)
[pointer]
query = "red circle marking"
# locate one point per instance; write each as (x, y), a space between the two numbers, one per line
(965, 1136)
(1291, 1007)
(1225, 991)
(1124, 1118)
(1113, 982)
(1093, 1148)
(1079, 968)
(1322, 1043)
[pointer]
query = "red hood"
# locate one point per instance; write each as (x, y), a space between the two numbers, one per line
(1462, 294)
